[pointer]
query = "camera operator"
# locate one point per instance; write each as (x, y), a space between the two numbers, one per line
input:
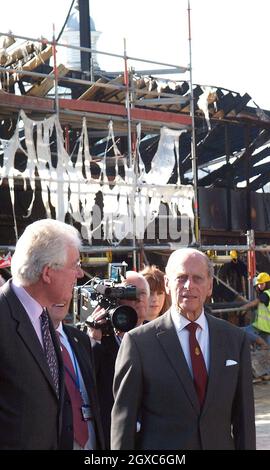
(105, 348)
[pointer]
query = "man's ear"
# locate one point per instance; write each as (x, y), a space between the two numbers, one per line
(166, 284)
(210, 288)
(46, 274)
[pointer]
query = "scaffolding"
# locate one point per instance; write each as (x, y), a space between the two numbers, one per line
(96, 114)
(130, 109)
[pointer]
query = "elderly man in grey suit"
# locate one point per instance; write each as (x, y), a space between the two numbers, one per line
(178, 404)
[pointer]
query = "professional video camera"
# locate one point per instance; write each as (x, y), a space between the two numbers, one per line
(106, 293)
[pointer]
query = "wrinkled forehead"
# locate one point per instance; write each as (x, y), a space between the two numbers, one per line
(187, 263)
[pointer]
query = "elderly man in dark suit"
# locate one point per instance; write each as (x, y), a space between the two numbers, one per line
(45, 268)
(186, 376)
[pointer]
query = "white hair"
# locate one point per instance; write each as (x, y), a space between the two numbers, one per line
(177, 256)
(134, 274)
(44, 242)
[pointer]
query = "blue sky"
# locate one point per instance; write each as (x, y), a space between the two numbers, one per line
(230, 38)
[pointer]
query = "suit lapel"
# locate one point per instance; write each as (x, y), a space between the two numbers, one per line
(27, 333)
(169, 341)
(217, 359)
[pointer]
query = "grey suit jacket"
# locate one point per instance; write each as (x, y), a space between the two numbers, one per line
(153, 384)
(30, 411)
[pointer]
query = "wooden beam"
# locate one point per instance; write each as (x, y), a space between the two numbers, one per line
(147, 114)
(20, 52)
(6, 41)
(39, 59)
(92, 90)
(8, 100)
(119, 110)
(41, 89)
(47, 105)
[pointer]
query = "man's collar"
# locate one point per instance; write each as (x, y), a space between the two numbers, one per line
(59, 329)
(181, 322)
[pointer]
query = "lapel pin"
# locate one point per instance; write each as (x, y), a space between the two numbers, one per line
(75, 339)
(197, 351)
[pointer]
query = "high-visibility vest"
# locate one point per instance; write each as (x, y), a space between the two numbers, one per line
(262, 321)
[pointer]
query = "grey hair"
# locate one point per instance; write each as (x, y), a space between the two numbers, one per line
(44, 242)
(133, 274)
(175, 257)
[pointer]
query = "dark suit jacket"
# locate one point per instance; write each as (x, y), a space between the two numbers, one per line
(30, 412)
(104, 356)
(81, 347)
(152, 378)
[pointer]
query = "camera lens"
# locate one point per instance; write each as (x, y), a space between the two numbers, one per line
(123, 318)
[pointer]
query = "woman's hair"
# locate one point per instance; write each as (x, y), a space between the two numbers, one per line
(155, 279)
(44, 242)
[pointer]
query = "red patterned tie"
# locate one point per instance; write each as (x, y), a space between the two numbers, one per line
(198, 365)
(79, 425)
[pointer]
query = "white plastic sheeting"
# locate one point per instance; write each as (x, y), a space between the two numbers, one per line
(163, 162)
(130, 203)
(207, 97)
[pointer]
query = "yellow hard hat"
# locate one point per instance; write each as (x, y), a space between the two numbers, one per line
(210, 253)
(262, 278)
(233, 254)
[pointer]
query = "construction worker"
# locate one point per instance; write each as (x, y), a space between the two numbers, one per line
(237, 273)
(261, 325)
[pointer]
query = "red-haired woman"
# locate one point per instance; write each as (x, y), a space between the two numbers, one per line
(159, 300)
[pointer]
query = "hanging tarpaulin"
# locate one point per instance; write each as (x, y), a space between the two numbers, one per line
(107, 208)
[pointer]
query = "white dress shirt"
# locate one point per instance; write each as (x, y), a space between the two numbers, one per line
(202, 335)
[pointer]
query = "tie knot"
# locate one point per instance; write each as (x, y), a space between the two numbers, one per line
(192, 327)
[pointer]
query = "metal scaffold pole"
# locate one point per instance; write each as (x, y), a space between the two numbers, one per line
(193, 138)
(251, 262)
(55, 72)
(130, 156)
